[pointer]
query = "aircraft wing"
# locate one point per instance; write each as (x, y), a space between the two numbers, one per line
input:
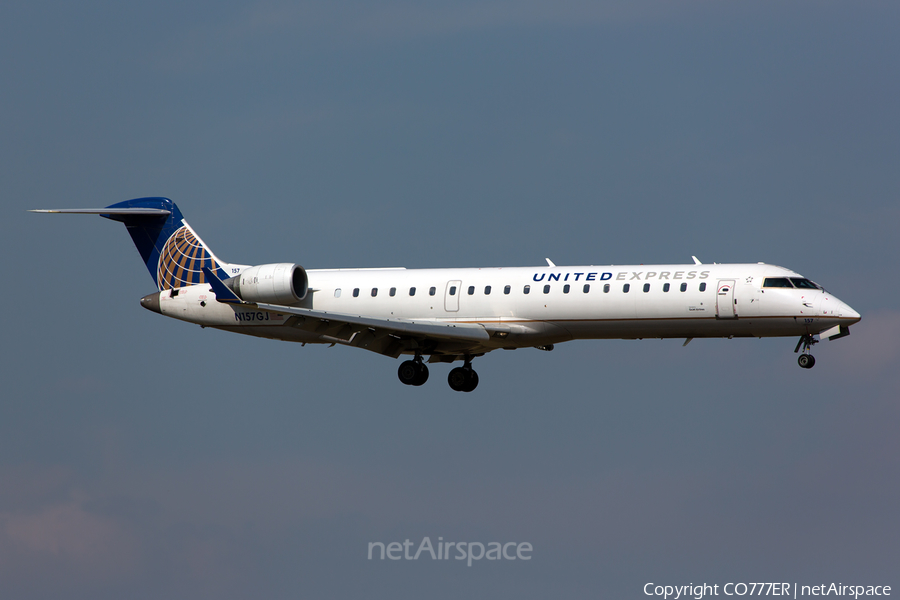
(385, 336)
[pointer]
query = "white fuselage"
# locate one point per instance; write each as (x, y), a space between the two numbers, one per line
(449, 315)
(531, 306)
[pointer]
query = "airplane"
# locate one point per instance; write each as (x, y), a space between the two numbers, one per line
(451, 315)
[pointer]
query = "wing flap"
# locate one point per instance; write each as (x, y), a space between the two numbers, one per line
(374, 328)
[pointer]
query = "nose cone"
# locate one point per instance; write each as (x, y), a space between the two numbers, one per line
(848, 312)
(151, 302)
(838, 308)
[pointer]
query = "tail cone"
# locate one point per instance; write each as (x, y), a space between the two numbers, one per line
(151, 302)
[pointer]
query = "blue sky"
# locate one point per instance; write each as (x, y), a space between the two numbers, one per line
(142, 457)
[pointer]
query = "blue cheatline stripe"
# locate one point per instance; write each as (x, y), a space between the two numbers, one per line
(222, 292)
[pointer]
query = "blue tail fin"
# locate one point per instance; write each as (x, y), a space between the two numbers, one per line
(174, 254)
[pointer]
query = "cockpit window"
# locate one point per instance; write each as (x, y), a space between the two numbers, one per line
(804, 283)
(782, 282)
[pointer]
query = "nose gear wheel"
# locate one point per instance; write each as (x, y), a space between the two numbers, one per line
(806, 360)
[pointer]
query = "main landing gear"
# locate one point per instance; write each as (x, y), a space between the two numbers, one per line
(464, 378)
(413, 372)
(461, 379)
(806, 360)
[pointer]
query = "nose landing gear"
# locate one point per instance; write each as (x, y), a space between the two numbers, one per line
(806, 360)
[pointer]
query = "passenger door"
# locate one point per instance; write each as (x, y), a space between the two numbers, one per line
(725, 303)
(451, 296)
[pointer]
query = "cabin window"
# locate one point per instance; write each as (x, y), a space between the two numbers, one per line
(703, 287)
(587, 288)
(605, 288)
(566, 289)
(646, 287)
(471, 290)
(487, 290)
(412, 291)
(806, 284)
(452, 290)
(374, 292)
(683, 287)
(507, 289)
(356, 292)
(393, 292)
(626, 287)
(527, 289)
(431, 291)
(665, 287)
(546, 289)
(782, 282)
(337, 293)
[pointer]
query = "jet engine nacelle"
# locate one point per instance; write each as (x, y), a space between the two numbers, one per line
(281, 283)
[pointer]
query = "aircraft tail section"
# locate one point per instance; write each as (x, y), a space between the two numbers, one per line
(172, 251)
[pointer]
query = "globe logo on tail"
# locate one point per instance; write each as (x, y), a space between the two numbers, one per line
(182, 260)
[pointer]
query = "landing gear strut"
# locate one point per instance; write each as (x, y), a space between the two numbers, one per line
(413, 372)
(806, 360)
(464, 378)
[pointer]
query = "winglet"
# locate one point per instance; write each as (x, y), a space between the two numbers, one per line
(223, 294)
(549, 262)
(696, 262)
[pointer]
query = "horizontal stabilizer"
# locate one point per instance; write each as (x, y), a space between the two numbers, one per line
(155, 212)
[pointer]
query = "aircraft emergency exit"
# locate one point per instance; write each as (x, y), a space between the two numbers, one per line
(450, 315)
